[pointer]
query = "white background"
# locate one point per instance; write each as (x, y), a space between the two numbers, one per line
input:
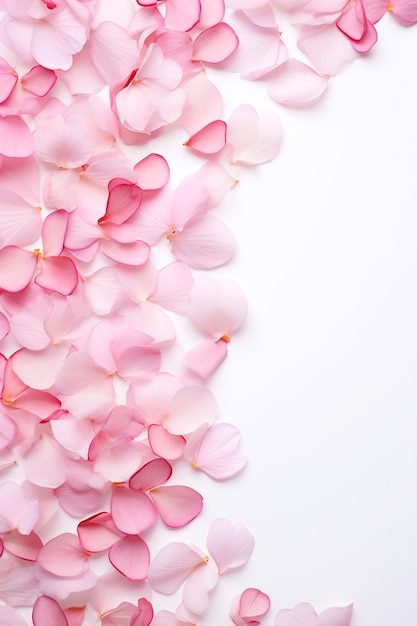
(322, 378)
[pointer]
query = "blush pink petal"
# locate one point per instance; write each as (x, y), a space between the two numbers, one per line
(58, 274)
(301, 615)
(152, 474)
(16, 268)
(352, 22)
(79, 502)
(4, 326)
(8, 430)
(98, 533)
(405, 11)
(8, 79)
(119, 616)
(130, 556)
(254, 139)
(336, 616)
(253, 605)
(215, 44)
(211, 13)
(316, 42)
(39, 81)
(54, 229)
(62, 586)
(15, 137)
(181, 15)
(135, 253)
(152, 172)
(25, 547)
(45, 462)
(123, 201)
(21, 221)
(173, 287)
(230, 545)
(295, 83)
(117, 462)
(177, 505)
(210, 139)
(64, 556)
(164, 444)
(113, 51)
(206, 242)
(191, 407)
(215, 450)
(47, 612)
(203, 102)
(80, 373)
(172, 565)
(132, 511)
(218, 307)
(10, 616)
(64, 140)
(205, 358)
(197, 588)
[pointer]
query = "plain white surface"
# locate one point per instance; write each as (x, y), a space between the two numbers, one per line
(322, 379)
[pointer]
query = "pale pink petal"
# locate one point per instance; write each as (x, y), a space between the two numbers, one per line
(191, 407)
(139, 363)
(164, 444)
(253, 604)
(119, 616)
(104, 290)
(301, 615)
(11, 617)
(45, 462)
(15, 137)
(4, 326)
(80, 373)
(336, 616)
(295, 83)
(181, 15)
(152, 172)
(16, 267)
(203, 103)
(63, 140)
(215, 44)
(79, 502)
(8, 79)
(112, 589)
(8, 431)
(206, 242)
(215, 450)
(212, 12)
(21, 222)
(230, 545)
(135, 253)
(210, 139)
(98, 533)
(59, 274)
(217, 307)
(39, 81)
(54, 229)
(130, 556)
(47, 612)
(255, 139)
(114, 53)
(152, 474)
(62, 586)
(198, 586)
(172, 565)
(177, 505)
(173, 287)
(132, 511)
(317, 41)
(405, 11)
(28, 329)
(64, 556)
(116, 463)
(205, 358)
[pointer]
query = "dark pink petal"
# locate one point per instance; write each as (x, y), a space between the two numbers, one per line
(59, 274)
(8, 79)
(98, 533)
(182, 15)
(368, 40)
(64, 556)
(15, 137)
(16, 267)
(294, 83)
(152, 172)
(253, 604)
(336, 616)
(230, 545)
(164, 444)
(123, 201)
(143, 615)
(177, 505)
(152, 474)
(172, 565)
(215, 44)
(26, 547)
(47, 612)
(130, 556)
(132, 511)
(353, 21)
(210, 139)
(39, 81)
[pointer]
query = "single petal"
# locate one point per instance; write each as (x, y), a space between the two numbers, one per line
(253, 604)
(295, 83)
(98, 533)
(39, 81)
(21, 222)
(8, 79)
(210, 139)
(130, 556)
(172, 565)
(152, 172)
(230, 545)
(191, 407)
(205, 358)
(16, 267)
(177, 505)
(47, 612)
(132, 511)
(301, 615)
(59, 274)
(113, 51)
(164, 444)
(63, 556)
(173, 287)
(255, 139)
(198, 586)
(15, 137)
(215, 44)
(152, 474)
(336, 616)
(182, 16)
(11, 617)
